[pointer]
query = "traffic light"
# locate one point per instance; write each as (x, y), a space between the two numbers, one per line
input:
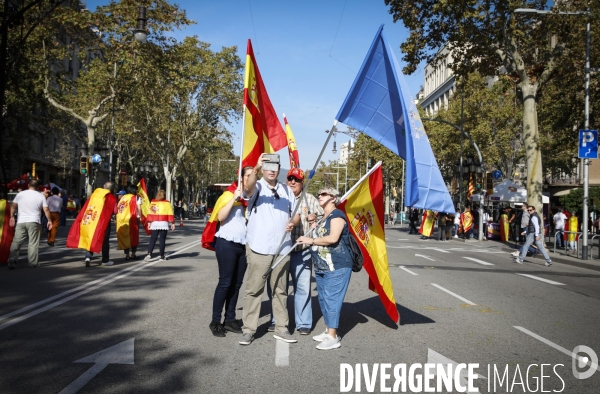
(489, 183)
(83, 165)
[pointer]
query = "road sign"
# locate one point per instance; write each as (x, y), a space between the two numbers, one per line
(588, 144)
(497, 174)
(96, 159)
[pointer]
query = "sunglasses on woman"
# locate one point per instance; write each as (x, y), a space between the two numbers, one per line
(293, 178)
(324, 194)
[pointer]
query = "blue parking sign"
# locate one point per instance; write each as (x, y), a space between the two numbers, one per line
(588, 144)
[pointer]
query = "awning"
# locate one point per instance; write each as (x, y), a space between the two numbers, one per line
(562, 193)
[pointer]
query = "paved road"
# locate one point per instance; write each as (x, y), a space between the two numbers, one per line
(469, 303)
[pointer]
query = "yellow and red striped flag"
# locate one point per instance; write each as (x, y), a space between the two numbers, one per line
(145, 205)
(128, 233)
(161, 211)
(471, 187)
(208, 235)
(262, 130)
(292, 147)
(363, 207)
(6, 231)
(87, 232)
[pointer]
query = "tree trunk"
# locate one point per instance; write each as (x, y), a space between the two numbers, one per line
(532, 148)
(91, 141)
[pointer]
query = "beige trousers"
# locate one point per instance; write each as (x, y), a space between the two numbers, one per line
(258, 264)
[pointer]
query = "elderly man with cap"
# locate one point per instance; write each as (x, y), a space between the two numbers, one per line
(300, 259)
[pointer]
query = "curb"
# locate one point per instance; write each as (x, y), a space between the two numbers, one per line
(558, 259)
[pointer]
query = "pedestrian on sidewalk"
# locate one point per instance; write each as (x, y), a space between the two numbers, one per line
(456, 222)
(524, 222)
(55, 207)
(29, 204)
(559, 226)
(441, 226)
(533, 236)
(413, 217)
(128, 233)
(91, 229)
(160, 218)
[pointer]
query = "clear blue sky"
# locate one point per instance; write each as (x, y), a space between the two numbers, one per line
(308, 53)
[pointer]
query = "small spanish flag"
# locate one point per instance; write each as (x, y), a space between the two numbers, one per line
(364, 210)
(6, 231)
(128, 232)
(427, 223)
(87, 232)
(145, 206)
(292, 148)
(161, 211)
(262, 129)
(211, 228)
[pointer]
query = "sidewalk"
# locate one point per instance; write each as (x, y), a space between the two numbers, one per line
(557, 257)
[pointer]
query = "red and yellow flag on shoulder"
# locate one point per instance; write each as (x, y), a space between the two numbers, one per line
(87, 232)
(128, 233)
(292, 147)
(145, 205)
(363, 207)
(6, 232)
(262, 130)
(211, 228)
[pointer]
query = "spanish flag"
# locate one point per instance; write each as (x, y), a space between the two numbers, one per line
(6, 232)
(128, 232)
(161, 211)
(471, 187)
(363, 207)
(428, 223)
(145, 206)
(211, 228)
(504, 227)
(262, 130)
(291, 143)
(87, 232)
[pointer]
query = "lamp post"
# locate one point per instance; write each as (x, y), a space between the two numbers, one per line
(586, 162)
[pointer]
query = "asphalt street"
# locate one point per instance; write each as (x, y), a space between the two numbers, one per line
(458, 303)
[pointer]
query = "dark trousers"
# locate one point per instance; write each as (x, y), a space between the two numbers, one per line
(162, 236)
(231, 258)
(105, 247)
(413, 228)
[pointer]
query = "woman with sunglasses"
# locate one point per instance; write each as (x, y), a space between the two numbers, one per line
(230, 248)
(332, 260)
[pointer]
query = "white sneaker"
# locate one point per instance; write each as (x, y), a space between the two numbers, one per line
(456, 236)
(147, 258)
(330, 343)
(321, 337)
(87, 262)
(515, 253)
(109, 263)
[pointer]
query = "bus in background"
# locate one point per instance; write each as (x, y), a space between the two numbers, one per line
(213, 192)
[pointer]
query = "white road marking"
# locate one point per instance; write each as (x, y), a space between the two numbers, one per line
(425, 257)
(439, 250)
(282, 354)
(87, 288)
(402, 239)
(558, 347)
(454, 294)
(407, 270)
(542, 279)
(478, 261)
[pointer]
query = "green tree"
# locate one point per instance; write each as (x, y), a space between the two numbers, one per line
(485, 36)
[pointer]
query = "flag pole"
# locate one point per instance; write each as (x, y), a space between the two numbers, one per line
(304, 189)
(242, 149)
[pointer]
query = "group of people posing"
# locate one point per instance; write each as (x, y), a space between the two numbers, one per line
(252, 221)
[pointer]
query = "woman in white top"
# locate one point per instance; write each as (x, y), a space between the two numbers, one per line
(160, 219)
(230, 248)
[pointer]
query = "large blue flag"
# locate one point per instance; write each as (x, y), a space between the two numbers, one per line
(380, 105)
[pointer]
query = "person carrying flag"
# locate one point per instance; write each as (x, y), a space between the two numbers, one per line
(128, 236)
(230, 247)
(91, 229)
(160, 218)
(7, 232)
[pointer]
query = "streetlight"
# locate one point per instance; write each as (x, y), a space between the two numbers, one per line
(586, 162)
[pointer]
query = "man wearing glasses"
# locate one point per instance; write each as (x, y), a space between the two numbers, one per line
(270, 206)
(300, 259)
(533, 236)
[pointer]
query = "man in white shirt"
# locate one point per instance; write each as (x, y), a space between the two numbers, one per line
(29, 204)
(559, 226)
(269, 209)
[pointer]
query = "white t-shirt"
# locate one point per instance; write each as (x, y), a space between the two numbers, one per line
(559, 220)
(30, 204)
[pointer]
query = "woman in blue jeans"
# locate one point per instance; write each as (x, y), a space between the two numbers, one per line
(230, 248)
(333, 265)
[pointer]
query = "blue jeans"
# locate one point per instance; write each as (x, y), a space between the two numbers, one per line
(301, 270)
(530, 240)
(559, 240)
(332, 287)
(231, 258)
